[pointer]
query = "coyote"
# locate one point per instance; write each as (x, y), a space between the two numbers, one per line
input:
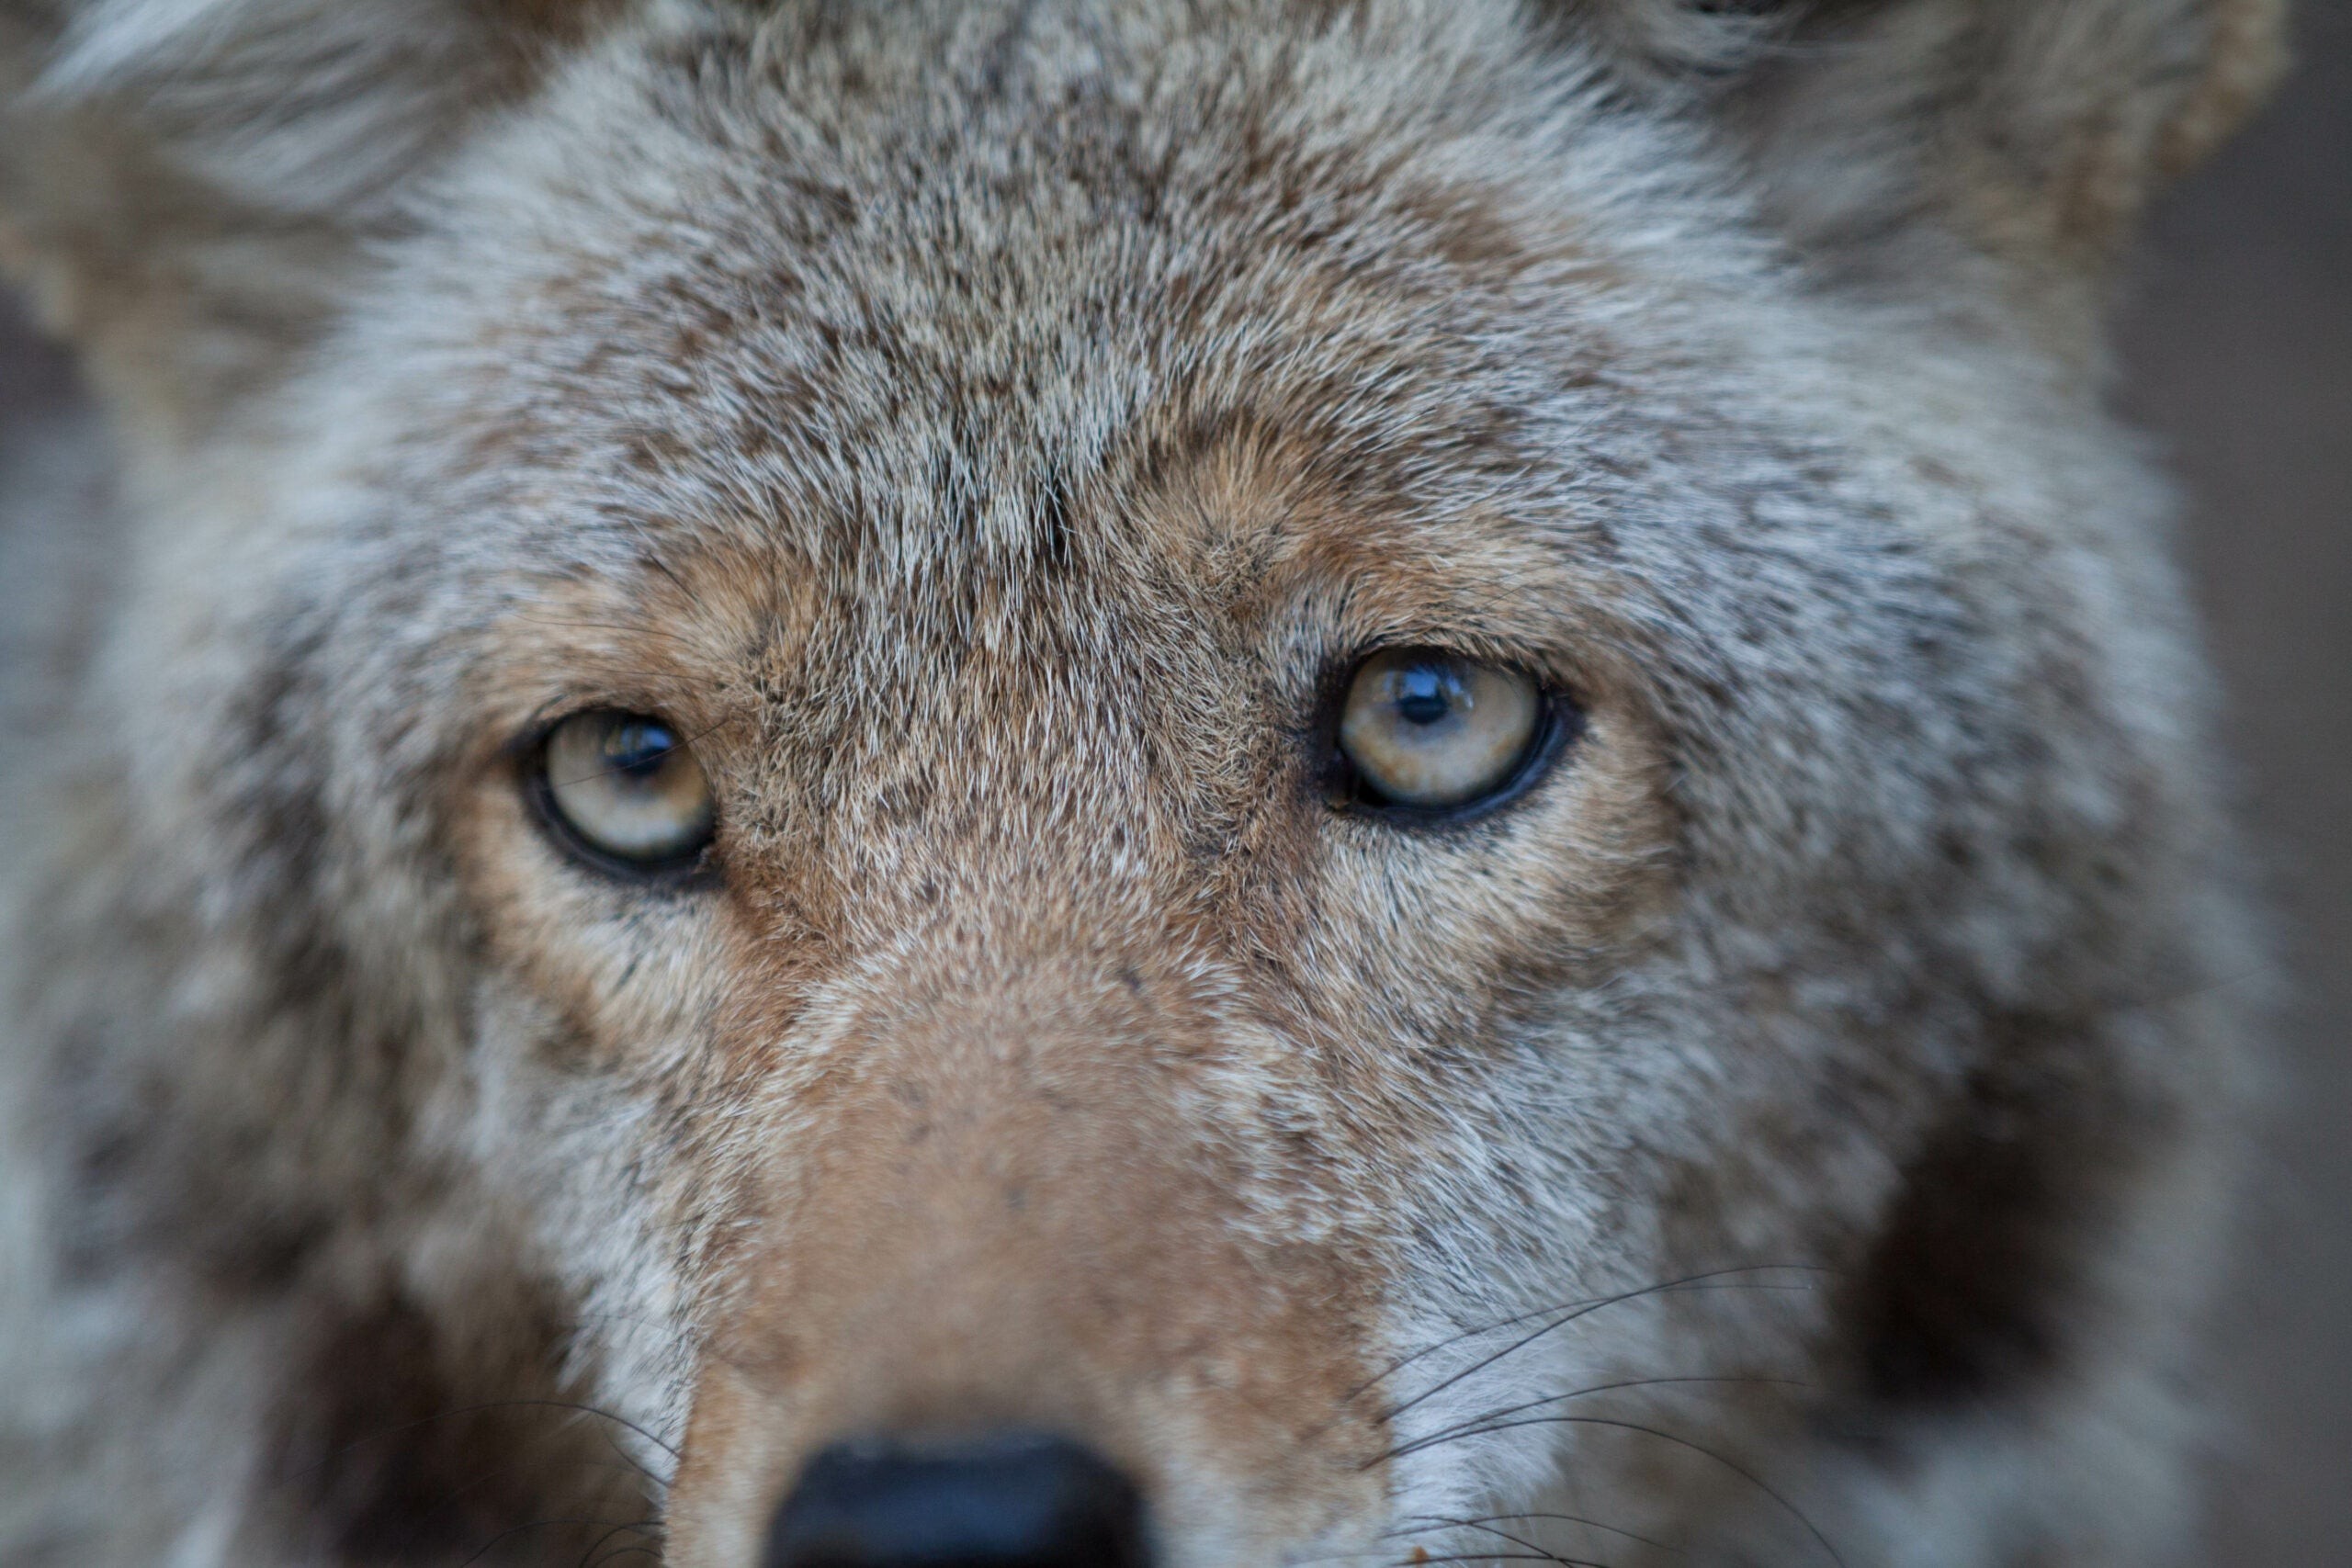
(1196, 783)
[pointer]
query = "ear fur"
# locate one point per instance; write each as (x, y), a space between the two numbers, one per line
(2027, 133)
(183, 182)
(312, 106)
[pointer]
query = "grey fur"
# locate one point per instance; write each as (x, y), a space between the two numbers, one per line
(824, 367)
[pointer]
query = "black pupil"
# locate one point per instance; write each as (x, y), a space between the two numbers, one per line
(639, 751)
(1425, 693)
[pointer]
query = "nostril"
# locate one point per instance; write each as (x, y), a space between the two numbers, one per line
(1015, 1500)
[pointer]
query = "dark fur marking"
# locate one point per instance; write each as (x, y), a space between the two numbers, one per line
(393, 1455)
(1968, 1291)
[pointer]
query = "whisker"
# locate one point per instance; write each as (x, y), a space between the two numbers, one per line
(1474, 1424)
(489, 1546)
(661, 1483)
(1571, 1310)
(1580, 1310)
(1400, 1363)
(653, 557)
(591, 1558)
(579, 1323)
(1742, 1471)
(1556, 1518)
(452, 1413)
(1547, 1555)
(1500, 1557)
(495, 1473)
(647, 1551)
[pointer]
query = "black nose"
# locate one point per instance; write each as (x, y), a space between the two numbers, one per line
(1006, 1501)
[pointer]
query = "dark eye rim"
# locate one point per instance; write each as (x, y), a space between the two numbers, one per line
(689, 870)
(1560, 722)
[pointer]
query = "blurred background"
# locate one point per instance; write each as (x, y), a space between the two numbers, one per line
(2237, 351)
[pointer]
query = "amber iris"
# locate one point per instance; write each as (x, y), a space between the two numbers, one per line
(1432, 730)
(628, 788)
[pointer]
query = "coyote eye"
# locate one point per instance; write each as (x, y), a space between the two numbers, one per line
(1423, 730)
(623, 790)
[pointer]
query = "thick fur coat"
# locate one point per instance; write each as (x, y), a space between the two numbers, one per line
(1792, 1131)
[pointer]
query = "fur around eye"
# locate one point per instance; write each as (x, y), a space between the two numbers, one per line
(625, 792)
(1424, 731)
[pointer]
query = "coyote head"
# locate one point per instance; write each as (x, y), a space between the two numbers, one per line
(1214, 784)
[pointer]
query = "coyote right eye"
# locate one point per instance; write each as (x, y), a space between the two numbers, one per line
(1424, 734)
(624, 792)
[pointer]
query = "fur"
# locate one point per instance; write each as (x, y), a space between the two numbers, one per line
(985, 427)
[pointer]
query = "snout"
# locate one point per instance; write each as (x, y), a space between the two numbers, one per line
(1023, 1210)
(1011, 1500)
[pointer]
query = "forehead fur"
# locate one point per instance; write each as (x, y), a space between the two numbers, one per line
(900, 291)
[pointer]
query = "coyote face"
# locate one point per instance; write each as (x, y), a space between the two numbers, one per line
(1206, 784)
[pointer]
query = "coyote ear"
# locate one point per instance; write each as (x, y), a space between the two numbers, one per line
(2032, 131)
(183, 182)
(316, 106)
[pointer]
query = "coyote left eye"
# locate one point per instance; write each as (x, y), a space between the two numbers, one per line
(625, 792)
(1426, 730)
